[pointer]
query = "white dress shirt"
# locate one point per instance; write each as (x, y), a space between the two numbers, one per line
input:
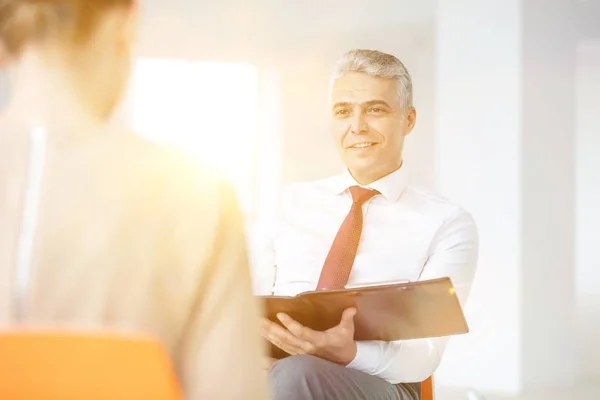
(408, 234)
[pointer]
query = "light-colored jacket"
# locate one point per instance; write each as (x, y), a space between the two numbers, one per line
(132, 237)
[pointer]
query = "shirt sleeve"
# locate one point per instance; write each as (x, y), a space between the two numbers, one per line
(221, 350)
(454, 254)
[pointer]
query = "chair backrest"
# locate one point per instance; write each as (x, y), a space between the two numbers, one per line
(54, 366)
(427, 389)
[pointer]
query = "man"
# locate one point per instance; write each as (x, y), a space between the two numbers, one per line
(392, 232)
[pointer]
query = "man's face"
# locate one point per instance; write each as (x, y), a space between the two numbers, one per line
(369, 125)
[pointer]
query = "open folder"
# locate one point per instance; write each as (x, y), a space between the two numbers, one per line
(401, 311)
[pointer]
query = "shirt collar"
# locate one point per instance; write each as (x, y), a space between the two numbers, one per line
(390, 186)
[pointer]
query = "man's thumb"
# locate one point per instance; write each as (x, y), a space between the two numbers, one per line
(348, 318)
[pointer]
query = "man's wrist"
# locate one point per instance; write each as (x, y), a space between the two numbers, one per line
(353, 350)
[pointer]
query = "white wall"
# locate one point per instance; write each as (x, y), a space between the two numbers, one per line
(506, 147)
(588, 210)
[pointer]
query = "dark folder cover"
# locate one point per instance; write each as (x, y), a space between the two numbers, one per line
(401, 311)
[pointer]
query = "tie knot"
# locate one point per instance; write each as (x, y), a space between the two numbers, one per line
(360, 195)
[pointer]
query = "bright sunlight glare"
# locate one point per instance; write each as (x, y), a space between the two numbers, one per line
(208, 109)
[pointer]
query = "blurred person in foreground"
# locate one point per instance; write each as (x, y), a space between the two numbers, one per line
(129, 237)
(404, 233)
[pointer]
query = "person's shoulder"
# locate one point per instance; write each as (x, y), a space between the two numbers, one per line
(169, 177)
(433, 205)
(168, 163)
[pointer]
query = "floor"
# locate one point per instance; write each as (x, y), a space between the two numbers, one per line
(585, 391)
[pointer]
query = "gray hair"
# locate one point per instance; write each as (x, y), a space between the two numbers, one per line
(379, 64)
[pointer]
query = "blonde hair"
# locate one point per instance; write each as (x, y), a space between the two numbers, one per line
(23, 22)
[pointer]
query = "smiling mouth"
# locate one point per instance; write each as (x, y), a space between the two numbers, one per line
(362, 145)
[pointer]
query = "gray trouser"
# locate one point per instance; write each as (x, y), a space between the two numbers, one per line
(311, 378)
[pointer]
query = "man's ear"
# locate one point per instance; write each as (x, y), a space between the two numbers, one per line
(411, 120)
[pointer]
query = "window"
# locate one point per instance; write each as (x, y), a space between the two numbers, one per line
(208, 109)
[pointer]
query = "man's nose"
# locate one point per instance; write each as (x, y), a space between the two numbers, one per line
(358, 124)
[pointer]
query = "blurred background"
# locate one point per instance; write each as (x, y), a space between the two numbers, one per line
(508, 101)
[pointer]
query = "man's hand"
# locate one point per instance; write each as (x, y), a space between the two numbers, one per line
(336, 344)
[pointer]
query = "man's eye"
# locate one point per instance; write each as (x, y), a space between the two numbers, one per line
(376, 110)
(342, 112)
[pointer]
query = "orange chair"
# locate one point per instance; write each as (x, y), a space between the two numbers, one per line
(427, 389)
(53, 366)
